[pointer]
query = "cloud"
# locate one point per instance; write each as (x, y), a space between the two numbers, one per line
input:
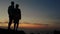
(40, 24)
(57, 22)
(25, 22)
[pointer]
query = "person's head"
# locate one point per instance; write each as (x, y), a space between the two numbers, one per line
(17, 5)
(12, 3)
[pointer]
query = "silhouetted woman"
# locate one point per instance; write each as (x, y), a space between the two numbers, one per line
(17, 17)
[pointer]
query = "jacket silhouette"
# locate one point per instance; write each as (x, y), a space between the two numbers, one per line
(17, 13)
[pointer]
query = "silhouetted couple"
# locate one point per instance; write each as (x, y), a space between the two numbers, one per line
(14, 15)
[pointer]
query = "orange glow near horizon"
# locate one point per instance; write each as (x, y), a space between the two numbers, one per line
(31, 26)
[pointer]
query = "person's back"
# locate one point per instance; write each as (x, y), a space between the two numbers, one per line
(10, 11)
(17, 13)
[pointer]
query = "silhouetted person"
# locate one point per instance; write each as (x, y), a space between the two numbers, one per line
(17, 17)
(11, 14)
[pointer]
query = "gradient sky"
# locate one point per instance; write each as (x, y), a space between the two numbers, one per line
(34, 11)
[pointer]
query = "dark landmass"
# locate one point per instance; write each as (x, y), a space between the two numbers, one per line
(11, 31)
(6, 31)
(56, 32)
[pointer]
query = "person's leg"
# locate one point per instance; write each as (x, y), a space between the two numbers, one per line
(14, 24)
(10, 22)
(17, 24)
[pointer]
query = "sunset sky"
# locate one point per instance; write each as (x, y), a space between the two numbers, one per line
(34, 11)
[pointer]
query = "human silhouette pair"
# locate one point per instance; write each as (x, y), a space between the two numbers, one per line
(14, 15)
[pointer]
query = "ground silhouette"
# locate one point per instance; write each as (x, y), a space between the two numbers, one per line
(6, 31)
(56, 32)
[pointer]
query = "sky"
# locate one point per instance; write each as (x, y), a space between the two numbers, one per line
(34, 11)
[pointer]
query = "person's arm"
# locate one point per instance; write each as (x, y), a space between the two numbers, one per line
(20, 13)
(8, 10)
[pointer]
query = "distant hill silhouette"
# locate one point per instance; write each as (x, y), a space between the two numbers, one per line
(6, 31)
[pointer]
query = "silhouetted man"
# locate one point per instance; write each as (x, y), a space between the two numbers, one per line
(17, 16)
(11, 14)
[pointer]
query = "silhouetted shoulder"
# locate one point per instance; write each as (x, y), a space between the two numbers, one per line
(9, 7)
(19, 11)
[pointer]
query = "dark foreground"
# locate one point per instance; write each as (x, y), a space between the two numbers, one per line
(56, 32)
(6, 31)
